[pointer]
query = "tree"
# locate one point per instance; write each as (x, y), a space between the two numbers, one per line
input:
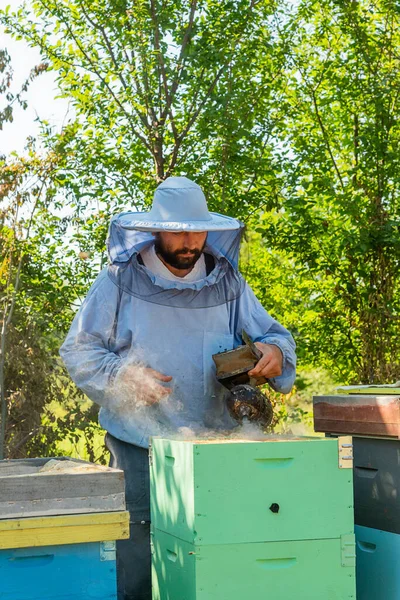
(340, 217)
(41, 276)
(161, 88)
(10, 98)
(25, 195)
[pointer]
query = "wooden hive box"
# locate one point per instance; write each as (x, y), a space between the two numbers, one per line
(239, 492)
(270, 519)
(378, 556)
(68, 572)
(66, 557)
(358, 414)
(305, 570)
(377, 483)
(47, 550)
(26, 490)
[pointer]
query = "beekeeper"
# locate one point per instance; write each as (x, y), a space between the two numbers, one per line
(141, 344)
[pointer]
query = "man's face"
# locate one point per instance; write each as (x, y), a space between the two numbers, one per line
(180, 249)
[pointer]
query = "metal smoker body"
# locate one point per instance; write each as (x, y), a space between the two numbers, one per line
(245, 400)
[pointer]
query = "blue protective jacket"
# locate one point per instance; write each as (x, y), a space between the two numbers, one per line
(132, 316)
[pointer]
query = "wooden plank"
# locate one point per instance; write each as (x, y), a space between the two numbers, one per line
(25, 490)
(36, 487)
(358, 414)
(66, 529)
(389, 430)
(63, 521)
(62, 506)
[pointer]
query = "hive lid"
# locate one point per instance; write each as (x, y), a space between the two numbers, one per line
(358, 414)
(386, 389)
(58, 486)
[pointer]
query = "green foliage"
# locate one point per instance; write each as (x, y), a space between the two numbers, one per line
(161, 88)
(68, 424)
(38, 282)
(338, 221)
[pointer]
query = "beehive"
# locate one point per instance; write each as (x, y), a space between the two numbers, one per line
(61, 556)
(373, 416)
(377, 517)
(378, 556)
(377, 484)
(234, 518)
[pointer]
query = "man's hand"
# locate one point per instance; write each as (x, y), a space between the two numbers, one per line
(270, 364)
(143, 385)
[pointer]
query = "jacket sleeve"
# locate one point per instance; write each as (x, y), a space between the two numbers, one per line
(87, 352)
(261, 327)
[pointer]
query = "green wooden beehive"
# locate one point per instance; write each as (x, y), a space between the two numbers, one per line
(302, 570)
(232, 492)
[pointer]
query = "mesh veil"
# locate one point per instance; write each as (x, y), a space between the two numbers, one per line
(224, 283)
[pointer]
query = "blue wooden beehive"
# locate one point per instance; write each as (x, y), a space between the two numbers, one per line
(378, 557)
(377, 517)
(59, 572)
(52, 556)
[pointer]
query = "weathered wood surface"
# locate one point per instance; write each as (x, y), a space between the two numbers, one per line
(24, 491)
(62, 506)
(358, 414)
(25, 466)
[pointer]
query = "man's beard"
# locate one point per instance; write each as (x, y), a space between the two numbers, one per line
(175, 259)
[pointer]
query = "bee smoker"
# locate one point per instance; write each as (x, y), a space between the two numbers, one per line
(245, 401)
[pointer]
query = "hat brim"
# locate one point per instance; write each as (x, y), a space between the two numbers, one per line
(143, 222)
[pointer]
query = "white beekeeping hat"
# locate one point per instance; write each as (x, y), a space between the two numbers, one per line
(178, 205)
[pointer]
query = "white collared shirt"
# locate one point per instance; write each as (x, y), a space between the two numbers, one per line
(156, 266)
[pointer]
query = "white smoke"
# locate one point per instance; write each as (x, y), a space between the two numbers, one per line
(137, 385)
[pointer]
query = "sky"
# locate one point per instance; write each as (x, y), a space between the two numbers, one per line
(41, 95)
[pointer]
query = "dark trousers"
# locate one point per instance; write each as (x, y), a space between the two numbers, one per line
(133, 555)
